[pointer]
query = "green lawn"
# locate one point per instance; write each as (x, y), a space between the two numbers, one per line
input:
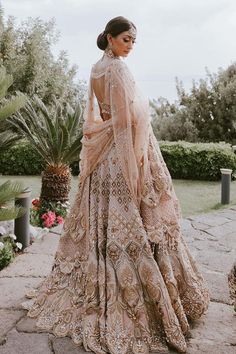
(195, 196)
(201, 196)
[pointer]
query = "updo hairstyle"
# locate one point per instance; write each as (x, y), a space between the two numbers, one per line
(115, 26)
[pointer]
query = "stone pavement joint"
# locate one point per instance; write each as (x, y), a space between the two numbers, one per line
(211, 238)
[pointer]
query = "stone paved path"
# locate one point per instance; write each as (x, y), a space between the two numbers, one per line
(212, 241)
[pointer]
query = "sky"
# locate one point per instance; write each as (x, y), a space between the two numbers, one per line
(175, 38)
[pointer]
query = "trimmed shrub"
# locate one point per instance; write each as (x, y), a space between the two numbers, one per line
(21, 159)
(197, 161)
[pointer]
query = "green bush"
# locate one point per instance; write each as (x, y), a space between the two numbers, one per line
(6, 255)
(21, 159)
(197, 161)
(8, 249)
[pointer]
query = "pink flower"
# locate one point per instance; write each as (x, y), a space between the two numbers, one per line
(60, 219)
(49, 218)
(47, 223)
(49, 215)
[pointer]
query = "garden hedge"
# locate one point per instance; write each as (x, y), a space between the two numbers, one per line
(197, 161)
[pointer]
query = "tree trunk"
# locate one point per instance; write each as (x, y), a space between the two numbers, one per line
(56, 183)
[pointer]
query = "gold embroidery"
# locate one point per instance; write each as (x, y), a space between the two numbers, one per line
(118, 282)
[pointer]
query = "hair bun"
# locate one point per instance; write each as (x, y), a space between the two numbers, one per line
(102, 41)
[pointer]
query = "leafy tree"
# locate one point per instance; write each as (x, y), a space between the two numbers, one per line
(172, 123)
(26, 52)
(1, 21)
(206, 114)
(211, 105)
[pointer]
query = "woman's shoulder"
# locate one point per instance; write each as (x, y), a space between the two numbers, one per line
(119, 68)
(116, 66)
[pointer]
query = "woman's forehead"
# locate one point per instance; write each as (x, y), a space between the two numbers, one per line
(128, 34)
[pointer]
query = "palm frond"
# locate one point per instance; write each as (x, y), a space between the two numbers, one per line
(6, 81)
(11, 106)
(11, 213)
(53, 132)
(9, 191)
(75, 119)
(72, 154)
(8, 139)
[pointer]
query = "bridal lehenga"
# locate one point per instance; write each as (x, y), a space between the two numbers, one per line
(123, 280)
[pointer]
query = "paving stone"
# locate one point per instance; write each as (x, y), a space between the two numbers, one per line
(211, 219)
(212, 241)
(218, 285)
(29, 265)
(209, 347)
(228, 213)
(28, 325)
(199, 226)
(191, 235)
(47, 245)
(8, 319)
(216, 246)
(25, 343)
(13, 291)
(185, 224)
(214, 260)
(215, 331)
(66, 345)
(228, 240)
(222, 230)
(202, 235)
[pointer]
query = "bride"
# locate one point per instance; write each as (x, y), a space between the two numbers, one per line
(123, 280)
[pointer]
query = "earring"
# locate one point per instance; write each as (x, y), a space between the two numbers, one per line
(109, 51)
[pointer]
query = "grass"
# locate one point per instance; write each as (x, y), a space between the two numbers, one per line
(201, 196)
(195, 196)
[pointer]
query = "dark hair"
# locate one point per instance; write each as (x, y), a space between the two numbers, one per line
(115, 26)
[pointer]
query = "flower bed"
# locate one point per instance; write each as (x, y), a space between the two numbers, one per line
(48, 214)
(8, 247)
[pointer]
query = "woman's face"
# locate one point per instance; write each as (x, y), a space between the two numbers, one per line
(122, 44)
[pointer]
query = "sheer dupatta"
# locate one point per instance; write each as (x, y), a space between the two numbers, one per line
(128, 127)
(131, 119)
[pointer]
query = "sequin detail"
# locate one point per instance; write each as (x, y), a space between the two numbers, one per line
(123, 280)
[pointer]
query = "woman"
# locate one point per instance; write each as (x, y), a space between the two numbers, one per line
(123, 280)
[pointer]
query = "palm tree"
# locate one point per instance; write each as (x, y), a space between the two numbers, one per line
(55, 133)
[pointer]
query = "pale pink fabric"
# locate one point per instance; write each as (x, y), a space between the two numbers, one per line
(123, 279)
(129, 124)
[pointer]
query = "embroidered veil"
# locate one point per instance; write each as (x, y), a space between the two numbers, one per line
(128, 123)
